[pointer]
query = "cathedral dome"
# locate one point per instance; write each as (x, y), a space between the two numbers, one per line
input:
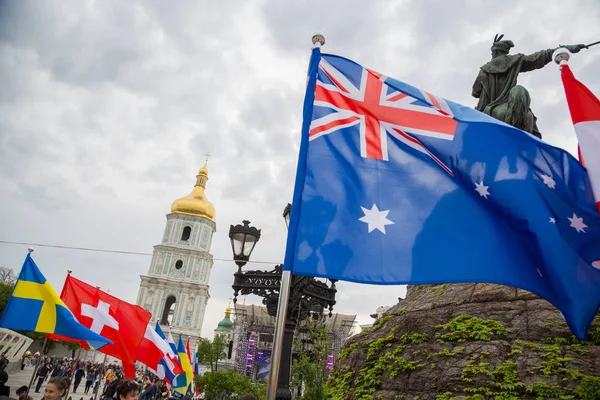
(225, 324)
(196, 203)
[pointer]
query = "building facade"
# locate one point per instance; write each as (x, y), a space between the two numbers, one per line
(176, 289)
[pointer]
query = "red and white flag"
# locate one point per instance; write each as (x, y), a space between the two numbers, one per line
(151, 349)
(585, 113)
(108, 316)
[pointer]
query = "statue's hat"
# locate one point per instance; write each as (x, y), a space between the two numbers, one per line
(502, 45)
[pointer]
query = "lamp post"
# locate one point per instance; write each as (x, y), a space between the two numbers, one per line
(306, 294)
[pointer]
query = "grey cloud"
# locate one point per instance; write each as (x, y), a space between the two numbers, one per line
(108, 108)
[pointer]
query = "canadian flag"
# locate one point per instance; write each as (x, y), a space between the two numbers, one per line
(585, 113)
(108, 316)
(156, 354)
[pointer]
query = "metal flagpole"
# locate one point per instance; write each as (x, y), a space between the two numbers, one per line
(284, 295)
(37, 365)
(96, 390)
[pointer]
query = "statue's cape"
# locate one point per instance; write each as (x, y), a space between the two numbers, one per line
(502, 64)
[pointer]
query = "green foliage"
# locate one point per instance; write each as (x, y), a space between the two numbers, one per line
(413, 338)
(589, 388)
(447, 353)
(228, 383)
(5, 292)
(465, 327)
(402, 312)
(346, 351)
(211, 352)
(381, 321)
(310, 368)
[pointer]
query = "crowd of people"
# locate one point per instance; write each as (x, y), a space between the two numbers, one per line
(66, 378)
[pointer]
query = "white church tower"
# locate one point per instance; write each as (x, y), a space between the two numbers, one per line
(175, 290)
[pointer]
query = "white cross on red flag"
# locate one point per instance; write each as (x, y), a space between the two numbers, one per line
(122, 322)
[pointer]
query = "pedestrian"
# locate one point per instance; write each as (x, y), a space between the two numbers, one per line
(153, 392)
(89, 379)
(56, 388)
(42, 374)
(128, 390)
(21, 392)
(4, 390)
(3, 362)
(79, 374)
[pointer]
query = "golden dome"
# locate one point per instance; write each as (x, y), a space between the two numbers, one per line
(196, 203)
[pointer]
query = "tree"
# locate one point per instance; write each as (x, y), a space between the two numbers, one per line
(7, 276)
(5, 292)
(310, 369)
(228, 385)
(7, 283)
(211, 352)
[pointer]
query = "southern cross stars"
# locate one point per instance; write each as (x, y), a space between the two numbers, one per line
(548, 181)
(376, 219)
(577, 223)
(482, 190)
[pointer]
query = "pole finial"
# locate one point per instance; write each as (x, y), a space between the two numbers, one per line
(30, 250)
(69, 271)
(561, 56)
(318, 40)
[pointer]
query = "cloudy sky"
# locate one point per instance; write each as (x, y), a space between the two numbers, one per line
(108, 107)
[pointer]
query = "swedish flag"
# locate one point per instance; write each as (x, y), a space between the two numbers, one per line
(183, 381)
(34, 306)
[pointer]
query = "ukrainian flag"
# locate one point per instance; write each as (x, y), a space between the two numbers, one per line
(183, 381)
(34, 306)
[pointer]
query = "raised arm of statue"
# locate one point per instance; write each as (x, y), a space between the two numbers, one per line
(536, 60)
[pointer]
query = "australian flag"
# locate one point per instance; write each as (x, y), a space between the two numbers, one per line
(398, 186)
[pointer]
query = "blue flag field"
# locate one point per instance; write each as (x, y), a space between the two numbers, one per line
(398, 186)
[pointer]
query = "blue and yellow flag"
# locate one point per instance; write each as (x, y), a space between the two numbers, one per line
(34, 306)
(182, 382)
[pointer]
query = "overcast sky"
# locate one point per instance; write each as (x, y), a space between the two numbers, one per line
(108, 107)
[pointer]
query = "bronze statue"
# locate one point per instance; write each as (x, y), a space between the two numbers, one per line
(496, 85)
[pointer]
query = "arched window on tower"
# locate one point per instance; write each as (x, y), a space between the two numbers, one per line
(167, 315)
(185, 235)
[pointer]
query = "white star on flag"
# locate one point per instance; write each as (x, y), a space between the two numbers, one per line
(548, 181)
(482, 190)
(376, 219)
(552, 220)
(577, 223)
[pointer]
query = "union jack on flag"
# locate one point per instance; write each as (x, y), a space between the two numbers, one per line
(363, 98)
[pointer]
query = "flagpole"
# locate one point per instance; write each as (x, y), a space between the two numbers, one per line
(96, 390)
(284, 295)
(37, 364)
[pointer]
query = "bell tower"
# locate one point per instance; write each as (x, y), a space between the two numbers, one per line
(175, 290)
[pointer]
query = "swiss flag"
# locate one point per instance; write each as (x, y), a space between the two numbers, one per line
(585, 113)
(113, 318)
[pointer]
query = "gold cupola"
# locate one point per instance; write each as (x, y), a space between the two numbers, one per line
(196, 203)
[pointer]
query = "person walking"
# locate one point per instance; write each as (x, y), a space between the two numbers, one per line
(41, 375)
(79, 374)
(89, 379)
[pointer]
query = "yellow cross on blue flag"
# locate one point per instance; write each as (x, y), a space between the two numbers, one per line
(34, 306)
(182, 382)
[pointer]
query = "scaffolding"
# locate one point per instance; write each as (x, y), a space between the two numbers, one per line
(253, 337)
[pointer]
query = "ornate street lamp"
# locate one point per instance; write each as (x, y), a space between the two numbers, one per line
(307, 295)
(243, 239)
